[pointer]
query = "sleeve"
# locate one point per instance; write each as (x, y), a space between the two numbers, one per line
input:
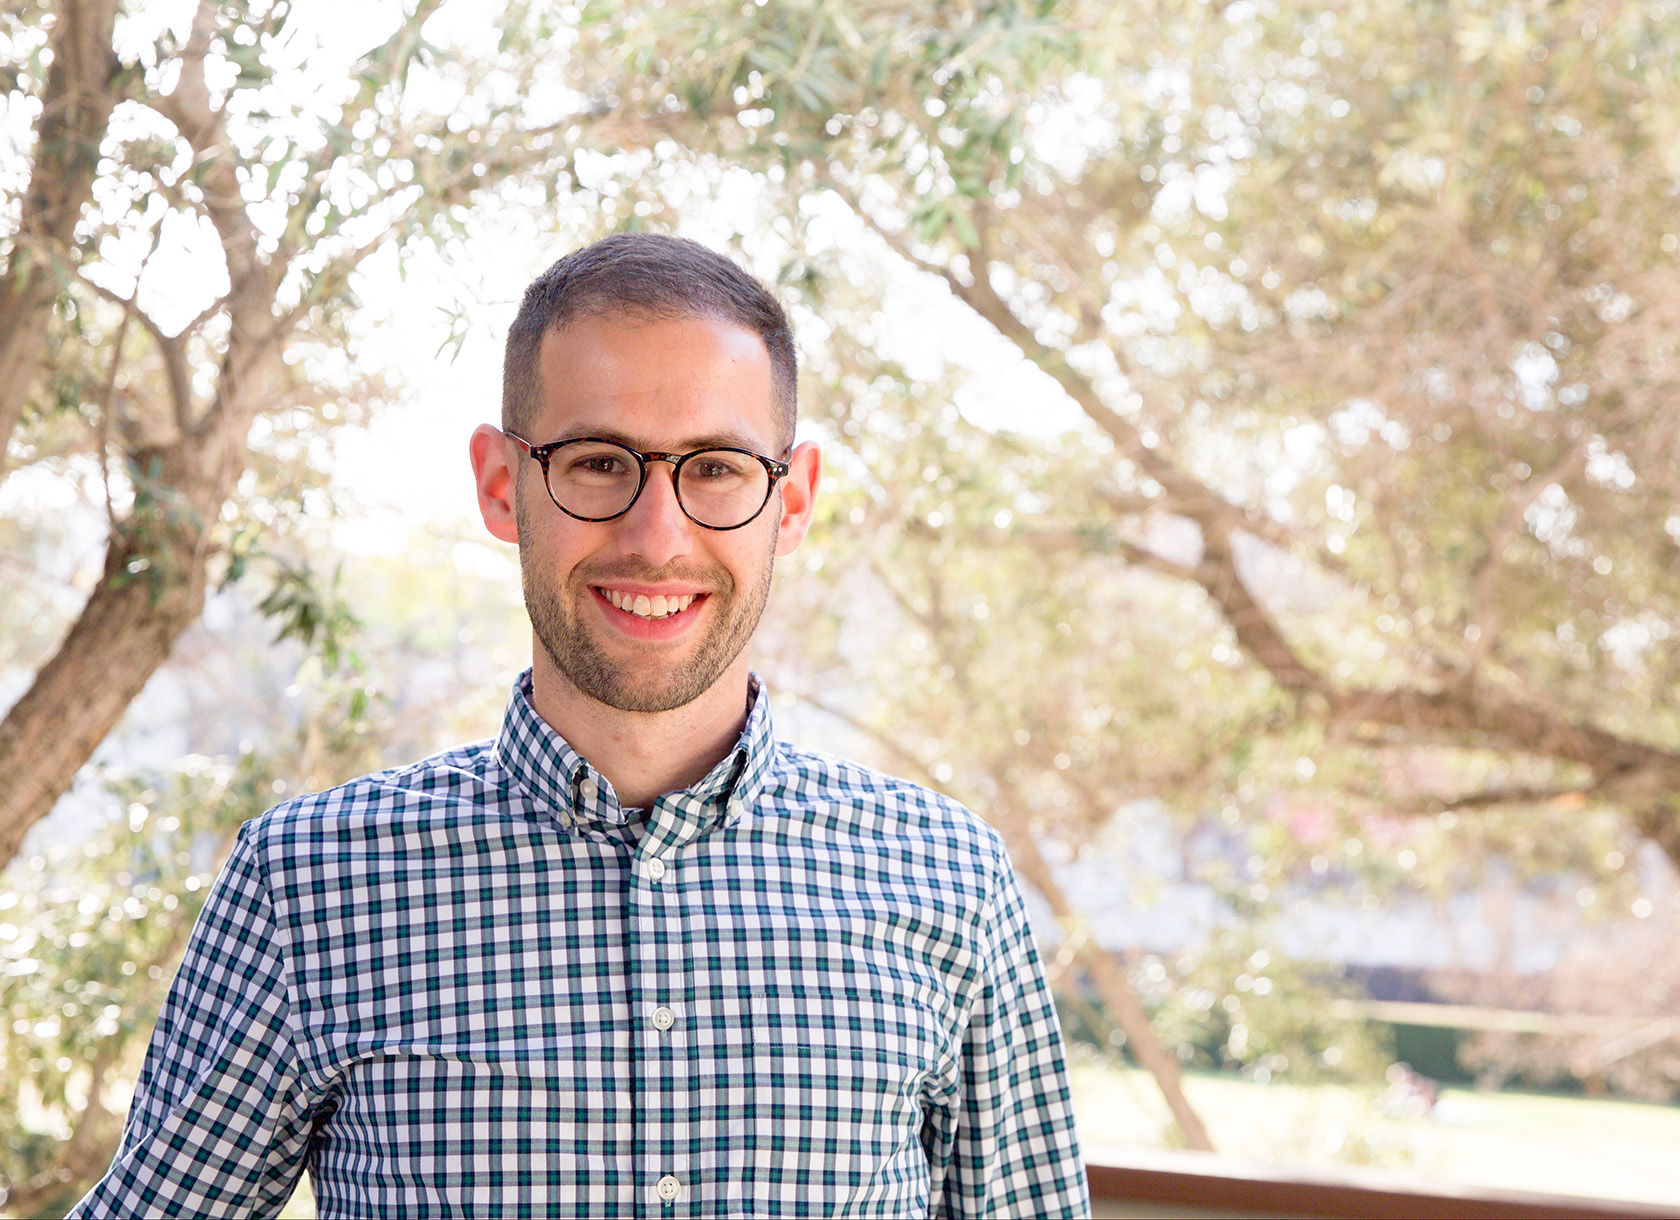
(219, 1125)
(1011, 1148)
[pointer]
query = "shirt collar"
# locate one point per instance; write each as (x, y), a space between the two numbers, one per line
(564, 784)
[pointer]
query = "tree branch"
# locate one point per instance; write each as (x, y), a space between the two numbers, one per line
(1641, 774)
(171, 347)
(107, 396)
(81, 91)
(1087, 540)
(1494, 798)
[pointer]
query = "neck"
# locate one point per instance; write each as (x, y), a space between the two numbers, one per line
(644, 754)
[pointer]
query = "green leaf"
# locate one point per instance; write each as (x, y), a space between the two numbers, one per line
(964, 224)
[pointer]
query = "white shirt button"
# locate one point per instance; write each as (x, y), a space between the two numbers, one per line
(669, 1188)
(656, 870)
(663, 1018)
(589, 789)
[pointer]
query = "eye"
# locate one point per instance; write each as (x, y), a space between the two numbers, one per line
(595, 463)
(714, 466)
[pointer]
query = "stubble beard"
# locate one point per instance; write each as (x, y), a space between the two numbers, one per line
(558, 612)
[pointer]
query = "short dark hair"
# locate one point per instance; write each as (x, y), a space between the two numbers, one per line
(650, 275)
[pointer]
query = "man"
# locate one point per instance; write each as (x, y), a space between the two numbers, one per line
(634, 956)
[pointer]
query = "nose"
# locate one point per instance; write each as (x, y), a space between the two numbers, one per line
(656, 528)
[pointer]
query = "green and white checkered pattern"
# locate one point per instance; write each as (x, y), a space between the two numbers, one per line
(475, 987)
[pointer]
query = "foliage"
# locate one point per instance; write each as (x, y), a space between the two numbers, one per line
(92, 935)
(1234, 1008)
(1264, 250)
(176, 289)
(313, 616)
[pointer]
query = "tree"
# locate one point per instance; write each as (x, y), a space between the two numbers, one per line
(78, 96)
(191, 157)
(91, 946)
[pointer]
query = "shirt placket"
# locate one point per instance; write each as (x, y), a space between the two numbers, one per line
(661, 1010)
(614, 991)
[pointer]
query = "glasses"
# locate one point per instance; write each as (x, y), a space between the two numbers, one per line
(594, 479)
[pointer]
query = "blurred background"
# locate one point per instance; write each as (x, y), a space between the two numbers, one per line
(1254, 487)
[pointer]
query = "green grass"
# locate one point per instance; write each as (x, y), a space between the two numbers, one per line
(1507, 1141)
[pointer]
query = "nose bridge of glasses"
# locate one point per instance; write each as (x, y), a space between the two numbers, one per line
(673, 460)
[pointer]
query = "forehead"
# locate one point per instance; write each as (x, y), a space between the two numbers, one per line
(660, 383)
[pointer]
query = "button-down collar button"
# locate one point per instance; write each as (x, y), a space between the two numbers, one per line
(669, 1188)
(663, 1018)
(589, 789)
(656, 868)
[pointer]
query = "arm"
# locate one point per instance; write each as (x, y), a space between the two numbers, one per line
(1012, 1147)
(219, 1125)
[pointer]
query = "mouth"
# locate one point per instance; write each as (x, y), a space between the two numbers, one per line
(650, 607)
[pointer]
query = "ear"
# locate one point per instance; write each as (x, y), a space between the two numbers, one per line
(799, 496)
(494, 460)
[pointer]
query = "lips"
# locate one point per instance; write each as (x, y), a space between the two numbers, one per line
(639, 615)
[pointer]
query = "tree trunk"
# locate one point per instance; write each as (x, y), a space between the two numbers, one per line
(154, 581)
(80, 92)
(151, 591)
(1116, 991)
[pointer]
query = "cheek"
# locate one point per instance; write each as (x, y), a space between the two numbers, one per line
(547, 537)
(756, 561)
(542, 551)
(749, 555)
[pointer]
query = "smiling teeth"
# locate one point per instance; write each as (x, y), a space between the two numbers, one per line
(643, 606)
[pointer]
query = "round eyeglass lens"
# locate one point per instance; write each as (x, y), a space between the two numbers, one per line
(593, 479)
(722, 488)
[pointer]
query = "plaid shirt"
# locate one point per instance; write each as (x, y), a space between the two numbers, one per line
(477, 987)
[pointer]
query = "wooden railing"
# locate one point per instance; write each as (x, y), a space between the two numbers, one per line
(1191, 1184)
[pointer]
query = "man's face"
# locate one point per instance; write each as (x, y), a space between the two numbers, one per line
(591, 588)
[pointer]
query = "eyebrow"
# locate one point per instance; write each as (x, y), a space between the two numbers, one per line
(711, 440)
